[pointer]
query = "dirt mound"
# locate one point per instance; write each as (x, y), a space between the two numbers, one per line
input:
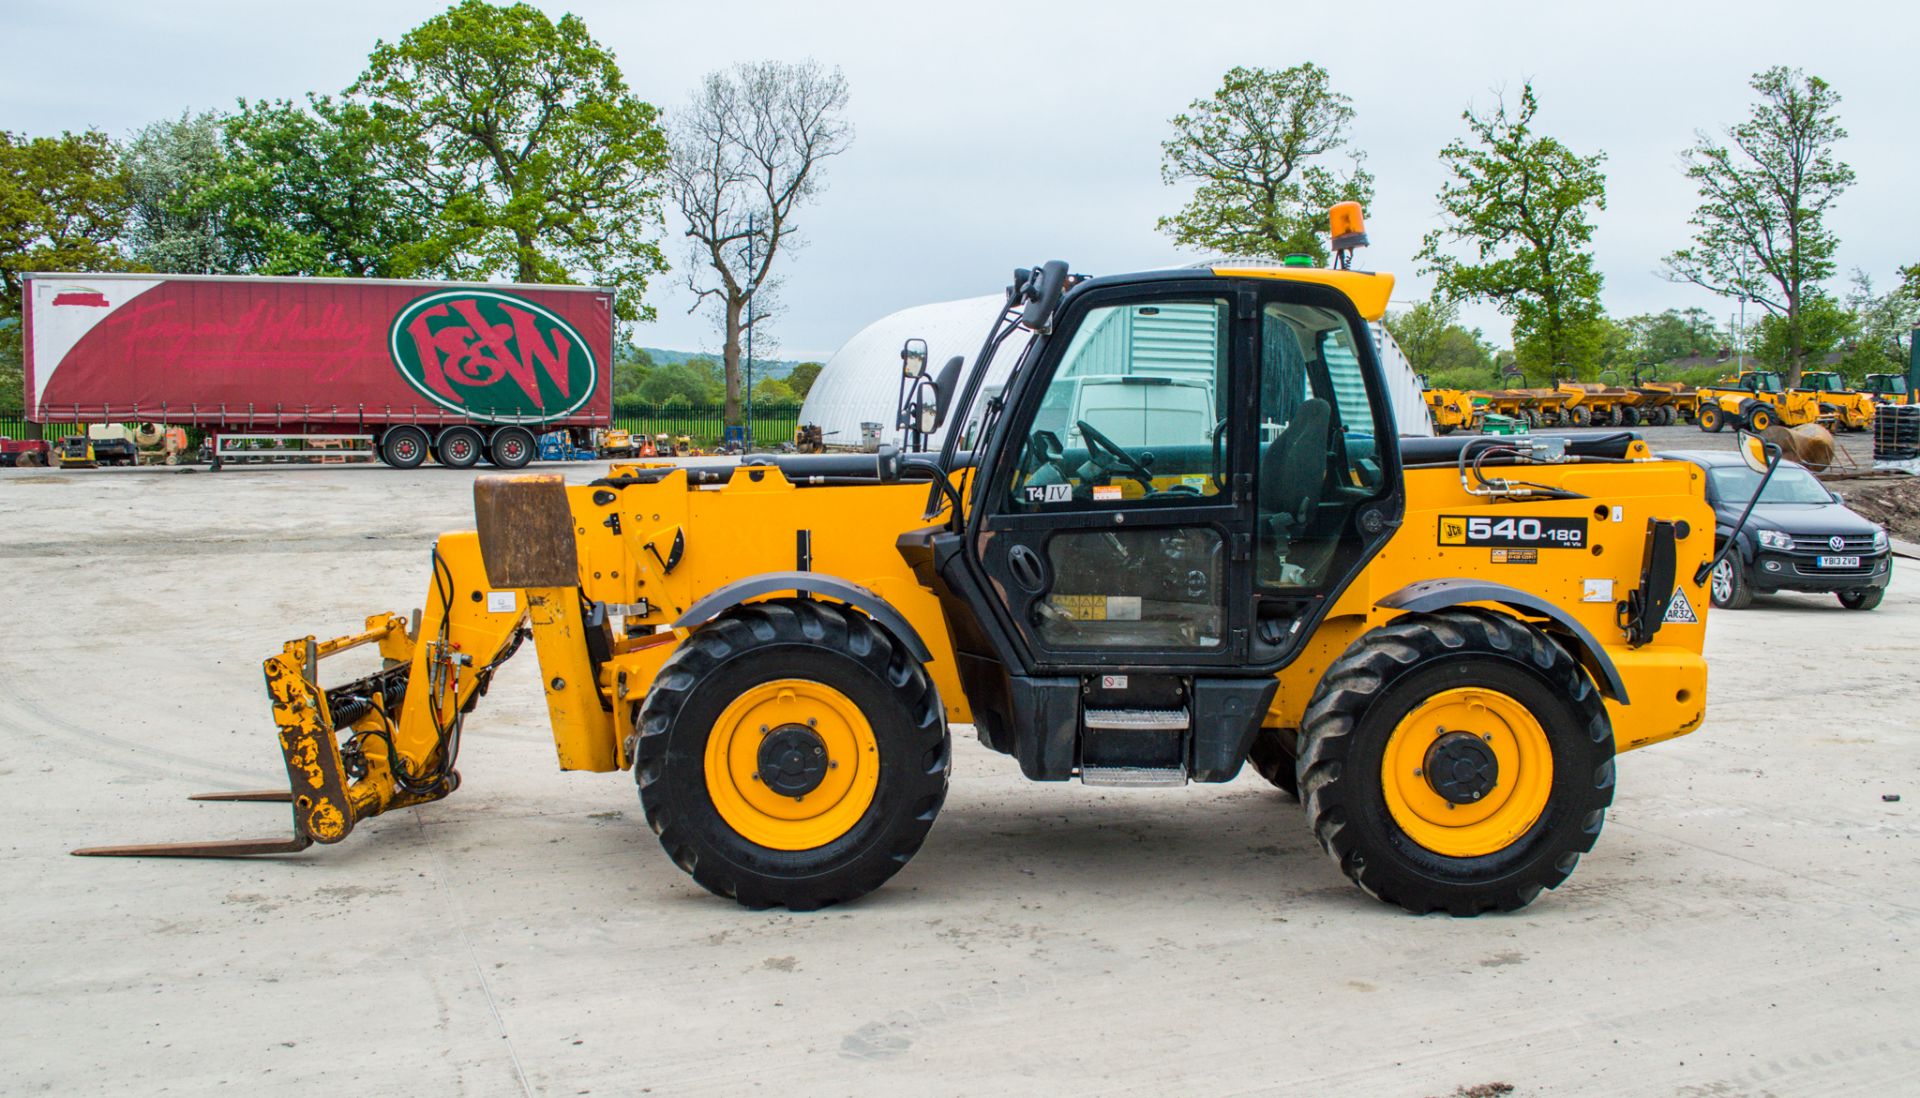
(1892, 501)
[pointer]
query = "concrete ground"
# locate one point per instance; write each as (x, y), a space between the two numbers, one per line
(1746, 926)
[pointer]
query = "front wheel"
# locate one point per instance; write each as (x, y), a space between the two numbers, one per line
(1759, 419)
(1712, 419)
(1728, 586)
(1865, 599)
(1458, 761)
(791, 754)
(1273, 759)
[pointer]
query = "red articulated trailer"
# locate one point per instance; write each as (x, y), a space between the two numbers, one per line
(460, 372)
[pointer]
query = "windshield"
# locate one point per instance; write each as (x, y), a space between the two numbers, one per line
(1766, 383)
(1790, 484)
(1896, 385)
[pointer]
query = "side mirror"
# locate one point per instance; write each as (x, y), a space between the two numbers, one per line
(1756, 452)
(1835, 496)
(1043, 296)
(944, 384)
(913, 357)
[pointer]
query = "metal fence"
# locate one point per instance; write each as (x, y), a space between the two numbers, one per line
(15, 427)
(772, 424)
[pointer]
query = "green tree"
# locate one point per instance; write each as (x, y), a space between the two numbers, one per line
(1882, 326)
(1675, 333)
(802, 378)
(696, 381)
(1821, 326)
(631, 368)
(63, 204)
(774, 390)
(1258, 148)
(1438, 347)
(1760, 229)
(306, 191)
(520, 136)
(1523, 204)
(178, 221)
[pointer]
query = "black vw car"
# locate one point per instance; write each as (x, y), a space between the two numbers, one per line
(1799, 538)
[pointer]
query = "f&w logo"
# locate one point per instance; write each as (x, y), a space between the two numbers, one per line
(492, 356)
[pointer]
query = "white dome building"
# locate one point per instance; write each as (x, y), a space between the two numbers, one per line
(860, 384)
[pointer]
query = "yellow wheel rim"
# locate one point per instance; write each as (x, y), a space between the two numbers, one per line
(823, 812)
(1522, 783)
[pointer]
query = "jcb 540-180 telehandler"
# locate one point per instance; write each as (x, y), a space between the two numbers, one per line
(1439, 645)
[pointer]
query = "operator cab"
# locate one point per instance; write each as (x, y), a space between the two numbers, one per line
(1185, 470)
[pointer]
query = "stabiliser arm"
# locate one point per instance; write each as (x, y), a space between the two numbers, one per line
(391, 738)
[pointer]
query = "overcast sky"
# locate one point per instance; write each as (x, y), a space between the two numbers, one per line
(991, 136)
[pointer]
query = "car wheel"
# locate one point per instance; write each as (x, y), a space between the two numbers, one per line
(1864, 599)
(1728, 584)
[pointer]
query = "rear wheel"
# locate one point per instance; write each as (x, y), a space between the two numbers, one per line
(1273, 760)
(1728, 586)
(459, 447)
(1865, 599)
(1628, 416)
(1581, 416)
(1457, 761)
(512, 448)
(1711, 418)
(404, 447)
(790, 753)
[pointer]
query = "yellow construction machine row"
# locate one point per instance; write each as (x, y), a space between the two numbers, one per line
(1752, 400)
(1154, 568)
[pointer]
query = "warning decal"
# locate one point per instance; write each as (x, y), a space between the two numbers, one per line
(1679, 610)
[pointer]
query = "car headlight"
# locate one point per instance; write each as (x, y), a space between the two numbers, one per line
(1774, 539)
(1880, 541)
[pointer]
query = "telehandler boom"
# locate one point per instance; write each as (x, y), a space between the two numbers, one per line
(1438, 644)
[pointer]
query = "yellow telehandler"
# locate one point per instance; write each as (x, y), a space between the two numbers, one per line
(1166, 557)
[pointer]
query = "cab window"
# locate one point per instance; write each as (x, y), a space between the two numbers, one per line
(1319, 459)
(1134, 412)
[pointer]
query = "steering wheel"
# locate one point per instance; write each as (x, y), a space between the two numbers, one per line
(1109, 456)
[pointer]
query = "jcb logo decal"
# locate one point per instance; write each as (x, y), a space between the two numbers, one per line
(1513, 532)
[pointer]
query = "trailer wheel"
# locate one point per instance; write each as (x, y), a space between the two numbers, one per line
(1271, 759)
(404, 447)
(512, 448)
(1711, 418)
(1459, 761)
(791, 754)
(458, 447)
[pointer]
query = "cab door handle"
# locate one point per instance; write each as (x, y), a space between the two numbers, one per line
(1027, 569)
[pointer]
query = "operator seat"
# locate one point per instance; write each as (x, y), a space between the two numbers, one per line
(1293, 479)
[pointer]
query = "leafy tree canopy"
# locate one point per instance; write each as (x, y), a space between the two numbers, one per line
(522, 135)
(1522, 204)
(1260, 149)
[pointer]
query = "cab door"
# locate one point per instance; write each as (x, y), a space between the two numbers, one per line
(1115, 528)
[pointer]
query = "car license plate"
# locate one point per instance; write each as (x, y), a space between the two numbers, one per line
(1837, 562)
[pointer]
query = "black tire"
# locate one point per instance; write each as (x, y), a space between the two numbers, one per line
(1273, 760)
(459, 448)
(403, 447)
(1864, 599)
(1581, 416)
(1381, 679)
(511, 448)
(1446, 430)
(1759, 418)
(1712, 419)
(756, 644)
(1668, 413)
(1627, 416)
(1727, 586)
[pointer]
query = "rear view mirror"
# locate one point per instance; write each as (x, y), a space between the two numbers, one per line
(944, 384)
(1043, 296)
(913, 358)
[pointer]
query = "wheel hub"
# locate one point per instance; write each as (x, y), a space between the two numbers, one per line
(792, 760)
(1461, 767)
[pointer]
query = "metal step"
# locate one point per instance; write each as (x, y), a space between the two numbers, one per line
(1138, 720)
(1133, 777)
